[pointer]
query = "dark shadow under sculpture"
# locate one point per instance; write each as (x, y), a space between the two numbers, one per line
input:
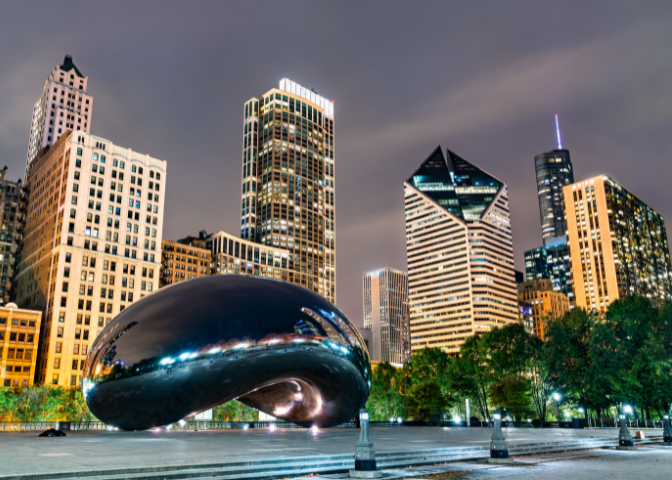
(272, 345)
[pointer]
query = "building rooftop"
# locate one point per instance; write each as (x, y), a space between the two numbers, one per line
(456, 184)
(68, 65)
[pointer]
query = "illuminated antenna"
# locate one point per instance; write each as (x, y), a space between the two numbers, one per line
(557, 132)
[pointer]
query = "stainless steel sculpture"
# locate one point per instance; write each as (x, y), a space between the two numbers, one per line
(272, 345)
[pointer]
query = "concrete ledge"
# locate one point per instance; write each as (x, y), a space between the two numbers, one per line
(365, 474)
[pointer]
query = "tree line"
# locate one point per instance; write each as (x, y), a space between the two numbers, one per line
(589, 364)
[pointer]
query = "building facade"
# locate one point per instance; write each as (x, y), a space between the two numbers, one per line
(617, 245)
(233, 255)
(180, 261)
(554, 171)
(19, 338)
(459, 247)
(542, 302)
(552, 262)
(91, 244)
(288, 196)
(63, 105)
(11, 234)
(386, 315)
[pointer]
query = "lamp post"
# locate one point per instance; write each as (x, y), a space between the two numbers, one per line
(499, 450)
(624, 438)
(365, 456)
(667, 431)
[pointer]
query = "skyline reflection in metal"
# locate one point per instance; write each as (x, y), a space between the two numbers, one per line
(272, 345)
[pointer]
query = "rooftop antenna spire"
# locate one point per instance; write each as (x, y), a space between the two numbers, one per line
(557, 132)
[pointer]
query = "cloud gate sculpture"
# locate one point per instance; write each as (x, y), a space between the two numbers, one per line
(273, 345)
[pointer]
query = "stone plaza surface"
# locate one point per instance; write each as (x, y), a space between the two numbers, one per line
(650, 462)
(25, 453)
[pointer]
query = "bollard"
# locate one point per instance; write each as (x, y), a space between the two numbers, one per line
(365, 456)
(499, 451)
(624, 438)
(667, 431)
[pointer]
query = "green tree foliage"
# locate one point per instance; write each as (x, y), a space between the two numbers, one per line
(512, 393)
(385, 398)
(234, 411)
(425, 401)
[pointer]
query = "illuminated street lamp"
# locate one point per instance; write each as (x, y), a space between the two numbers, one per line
(557, 397)
(624, 438)
(365, 456)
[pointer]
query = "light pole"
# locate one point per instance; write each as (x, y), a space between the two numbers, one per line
(499, 450)
(667, 431)
(365, 456)
(624, 438)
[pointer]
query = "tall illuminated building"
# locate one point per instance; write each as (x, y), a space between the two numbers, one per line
(91, 245)
(617, 245)
(386, 315)
(551, 262)
(63, 105)
(554, 171)
(461, 278)
(288, 182)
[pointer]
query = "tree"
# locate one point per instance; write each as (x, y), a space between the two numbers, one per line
(425, 401)
(234, 411)
(38, 403)
(7, 404)
(471, 374)
(567, 352)
(540, 380)
(385, 399)
(512, 392)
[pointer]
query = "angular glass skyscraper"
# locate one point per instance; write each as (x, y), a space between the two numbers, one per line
(554, 171)
(459, 249)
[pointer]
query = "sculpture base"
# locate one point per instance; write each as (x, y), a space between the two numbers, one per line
(366, 474)
(500, 460)
(630, 448)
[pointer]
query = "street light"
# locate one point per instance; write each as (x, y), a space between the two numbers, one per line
(627, 409)
(557, 397)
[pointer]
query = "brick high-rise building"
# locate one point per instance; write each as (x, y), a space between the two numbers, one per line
(288, 182)
(544, 302)
(617, 245)
(92, 244)
(461, 278)
(63, 105)
(19, 337)
(182, 261)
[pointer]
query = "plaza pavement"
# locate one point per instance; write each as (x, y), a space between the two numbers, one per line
(24, 453)
(651, 462)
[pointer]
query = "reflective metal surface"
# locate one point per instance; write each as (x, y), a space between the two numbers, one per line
(273, 345)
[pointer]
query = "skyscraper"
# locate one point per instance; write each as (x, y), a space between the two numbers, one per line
(554, 171)
(551, 262)
(288, 182)
(459, 248)
(543, 302)
(63, 105)
(617, 245)
(386, 315)
(92, 244)
(10, 235)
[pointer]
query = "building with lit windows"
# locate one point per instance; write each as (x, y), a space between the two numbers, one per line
(11, 233)
(19, 337)
(551, 262)
(91, 247)
(461, 278)
(63, 105)
(233, 255)
(288, 194)
(181, 261)
(545, 304)
(386, 315)
(617, 245)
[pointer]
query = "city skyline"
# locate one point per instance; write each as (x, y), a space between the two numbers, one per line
(387, 117)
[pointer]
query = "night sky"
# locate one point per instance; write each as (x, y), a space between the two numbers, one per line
(483, 78)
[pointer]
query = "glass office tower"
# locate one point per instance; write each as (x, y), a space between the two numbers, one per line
(551, 262)
(554, 171)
